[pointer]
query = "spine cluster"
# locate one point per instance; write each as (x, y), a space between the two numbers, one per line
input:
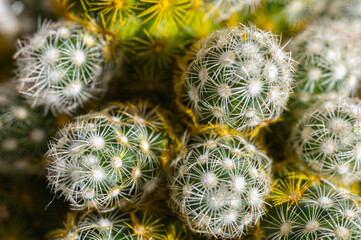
(109, 159)
(240, 77)
(219, 184)
(62, 66)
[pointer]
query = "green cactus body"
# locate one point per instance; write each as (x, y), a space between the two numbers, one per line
(62, 66)
(110, 158)
(328, 139)
(23, 133)
(328, 62)
(311, 210)
(219, 184)
(240, 77)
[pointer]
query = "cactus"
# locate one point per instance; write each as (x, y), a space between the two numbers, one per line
(328, 62)
(110, 158)
(219, 184)
(135, 225)
(305, 209)
(239, 77)
(223, 9)
(23, 133)
(62, 66)
(328, 138)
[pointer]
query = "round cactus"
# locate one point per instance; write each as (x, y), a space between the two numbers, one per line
(23, 133)
(240, 77)
(219, 184)
(62, 66)
(110, 158)
(328, 139)
(136, 225)
(328, 61)
(311, 210)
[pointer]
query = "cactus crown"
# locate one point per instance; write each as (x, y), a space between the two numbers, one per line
(110, 158)
(328, 139)
(219, 184)
(61, 66)
(304, 209)
(240, 77)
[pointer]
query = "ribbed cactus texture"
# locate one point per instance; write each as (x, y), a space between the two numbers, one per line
(328, 139)
(135, 225)
(328, 60)
(23, 133)
(110, 158)
(240, 77)
(61, 66)
(219, 184)
(303, 209)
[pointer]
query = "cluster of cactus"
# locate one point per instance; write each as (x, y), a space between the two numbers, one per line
(62, 66)
(23, 133)
(239, 77)
(110, 158)
(220, 184)
(305, 209)
(123, 171)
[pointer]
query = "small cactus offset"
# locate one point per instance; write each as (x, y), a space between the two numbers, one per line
(303, 209)
(328, 62)
(111, 158)
(219, 184)
(328, 139)
(239, 77)
(62, 66)
(23, 133)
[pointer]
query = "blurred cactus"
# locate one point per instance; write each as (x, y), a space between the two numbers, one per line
(23, 133)
(328, 61)
(62, 66)
(328, 139)
(240, 77)
(110, 158)
(219, 184)
(303, 209)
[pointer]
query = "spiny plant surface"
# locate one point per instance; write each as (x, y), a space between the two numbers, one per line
(240, 77)
(305, 209)
(62, 66)
(219, 184)
(23, 133)
(111, 158)
(328, 139)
